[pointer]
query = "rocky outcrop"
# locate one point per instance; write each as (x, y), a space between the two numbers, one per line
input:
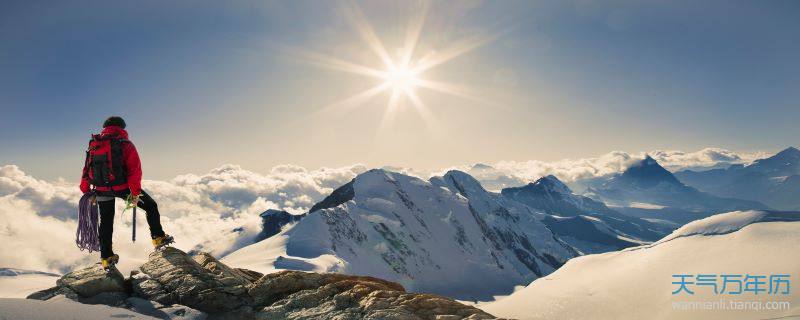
(93, 281)
(93, 285)
(88, 285)
(171, 276)
(301, 295)
(171, 280)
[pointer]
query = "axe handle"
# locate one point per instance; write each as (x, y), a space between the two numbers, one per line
(133, 235)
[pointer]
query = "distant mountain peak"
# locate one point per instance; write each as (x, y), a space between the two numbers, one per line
(790, 152)
(550, 177)
(786, 162)
(648, 173)
(553, 184)
(649, 161)
(481, 166)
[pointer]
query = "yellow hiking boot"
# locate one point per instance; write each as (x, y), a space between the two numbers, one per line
(159, 242)
(109, 262)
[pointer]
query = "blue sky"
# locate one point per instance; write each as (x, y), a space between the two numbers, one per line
(207, 83)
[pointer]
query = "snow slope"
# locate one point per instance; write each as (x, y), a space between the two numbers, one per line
(414, 232)
(17, 283)
(62, 310)
(636, 283)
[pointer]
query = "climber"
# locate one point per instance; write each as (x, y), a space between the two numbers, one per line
(112, 170)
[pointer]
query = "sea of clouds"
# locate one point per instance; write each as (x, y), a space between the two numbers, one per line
(219, 211)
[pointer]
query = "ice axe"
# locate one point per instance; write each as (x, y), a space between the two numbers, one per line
(132, 205)
(133, 234)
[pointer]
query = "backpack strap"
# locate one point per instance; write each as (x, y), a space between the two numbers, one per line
(118, 161)
(86, 166)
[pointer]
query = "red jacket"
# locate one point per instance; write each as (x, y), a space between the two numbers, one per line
(132, 164)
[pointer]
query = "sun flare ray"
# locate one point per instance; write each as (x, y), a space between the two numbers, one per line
(413, 32)
(365, 30)
(457, 49)
(402, 74)
(388, 115)
(355, 100)
(422, 110)
(333, 63)
(454, 90)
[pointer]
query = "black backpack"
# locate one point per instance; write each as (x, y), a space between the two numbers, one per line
(105, 163)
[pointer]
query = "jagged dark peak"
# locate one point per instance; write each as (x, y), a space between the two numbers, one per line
(549, 179)
(274, 212)
(647, 173)
(340, 195)
(273, 220)
(544, 185)
(648, 161)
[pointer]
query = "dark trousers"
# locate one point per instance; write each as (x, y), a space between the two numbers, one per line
(107, 218)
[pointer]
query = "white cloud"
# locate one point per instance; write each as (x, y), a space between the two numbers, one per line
(231, 188)
(216, 212)
(35, 242)
(708, 157)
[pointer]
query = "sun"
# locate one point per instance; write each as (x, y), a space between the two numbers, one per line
(401, 78)
(400, 75)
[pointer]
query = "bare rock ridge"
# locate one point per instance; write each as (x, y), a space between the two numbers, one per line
(175, 285)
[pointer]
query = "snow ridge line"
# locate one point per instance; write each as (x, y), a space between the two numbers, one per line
(767, 216)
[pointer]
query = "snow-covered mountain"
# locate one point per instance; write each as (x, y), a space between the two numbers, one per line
(447, 236)
(552, 196)
(774, 181)
(592, 236)
(636, 283)
(647, 189)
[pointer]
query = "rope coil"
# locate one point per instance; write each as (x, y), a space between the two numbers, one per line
(87, 236)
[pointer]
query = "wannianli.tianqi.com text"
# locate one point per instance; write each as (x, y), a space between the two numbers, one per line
(733, 305)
